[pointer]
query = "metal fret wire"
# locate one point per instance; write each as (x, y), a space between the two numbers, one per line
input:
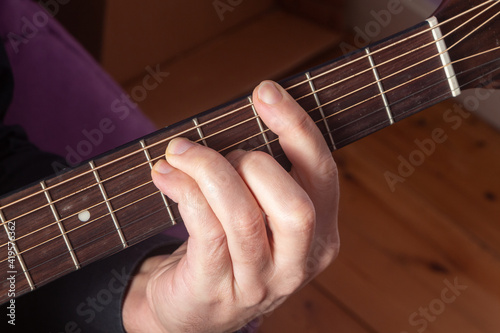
(253, 135)
(178, 218)
(150, 181)
(288, 88)
(157, 158)
(163, 196)
(300, 83)
(277, 156)
(257, 133)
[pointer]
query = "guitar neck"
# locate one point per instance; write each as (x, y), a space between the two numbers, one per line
(100, 207)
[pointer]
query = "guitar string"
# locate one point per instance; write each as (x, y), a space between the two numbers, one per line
(223, 149)
(255, 148)
(310, 94)
(170, 206)
(410, 110)
(400, 41)
(252, 136)
(243, 107)
(432, 43)
(149, 147)
(119, 246)
(320, 120)
(396, 87)
(112, 232)
(380, 109)
(397, 72)
(103, 235)
(179, 218)
(213, 134)
(157, 192)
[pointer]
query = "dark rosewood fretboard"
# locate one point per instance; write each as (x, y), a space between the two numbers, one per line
(101, 207)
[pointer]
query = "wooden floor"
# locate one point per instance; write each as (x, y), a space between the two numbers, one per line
(403, 249)
(424, 258)
(421, 257)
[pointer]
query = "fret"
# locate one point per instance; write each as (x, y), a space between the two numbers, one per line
(413, 70)
(108, 204)
(320, 108)
(412, 73)
(157, 150)
(83, 213)
(234, 129)
(200, 131)
(379, 85)
(136, 201)
(59, 224)
(163, 197)
(349, 99)
(19, 257)
(261, 127)
(37, 237)
(444, 56)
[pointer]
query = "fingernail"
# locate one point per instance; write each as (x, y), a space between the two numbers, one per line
(163, 167)
(269, 93)
(178, 146)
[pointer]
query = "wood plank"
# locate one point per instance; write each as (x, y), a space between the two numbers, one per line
(311, 311)
(162, 30)
(269, 47)
(401, 247)
(466, 163)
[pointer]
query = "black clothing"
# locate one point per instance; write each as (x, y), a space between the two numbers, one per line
(88, 300)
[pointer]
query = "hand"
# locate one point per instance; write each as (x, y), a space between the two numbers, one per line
(257, 233)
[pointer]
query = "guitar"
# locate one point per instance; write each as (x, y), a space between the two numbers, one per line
(70, 220)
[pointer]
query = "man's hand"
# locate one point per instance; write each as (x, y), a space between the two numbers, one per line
(257, 233)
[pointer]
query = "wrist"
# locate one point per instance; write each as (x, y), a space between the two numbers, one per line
(137, 314)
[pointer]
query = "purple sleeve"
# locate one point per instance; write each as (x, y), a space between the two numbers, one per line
(67, 104)
(69, 107)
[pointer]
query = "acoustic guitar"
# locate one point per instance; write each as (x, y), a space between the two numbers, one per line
(67, 221)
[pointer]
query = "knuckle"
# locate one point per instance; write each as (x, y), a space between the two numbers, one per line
(295, 282)
(256, 296)
(251, 232)
(192, 199)
(327, 170)
(289, 285)
(327, 167)
(207, 160)
(250, 226)
(253, 160)
(213, 171)
(216, 254)
(323, 252)
(216, 240)
(300, 124)
(301, 217)
(325, 261)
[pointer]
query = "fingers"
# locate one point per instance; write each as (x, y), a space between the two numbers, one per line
(207, 241)
(288, 208)
(304, 145)
(253, 226)
(299, 136)
(229, 200)
(221, 205)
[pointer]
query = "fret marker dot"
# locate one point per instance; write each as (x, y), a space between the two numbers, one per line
(84, 216)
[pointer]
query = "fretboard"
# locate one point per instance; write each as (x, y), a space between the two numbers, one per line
(110, 203)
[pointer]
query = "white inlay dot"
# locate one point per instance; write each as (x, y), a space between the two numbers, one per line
(84, 216)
